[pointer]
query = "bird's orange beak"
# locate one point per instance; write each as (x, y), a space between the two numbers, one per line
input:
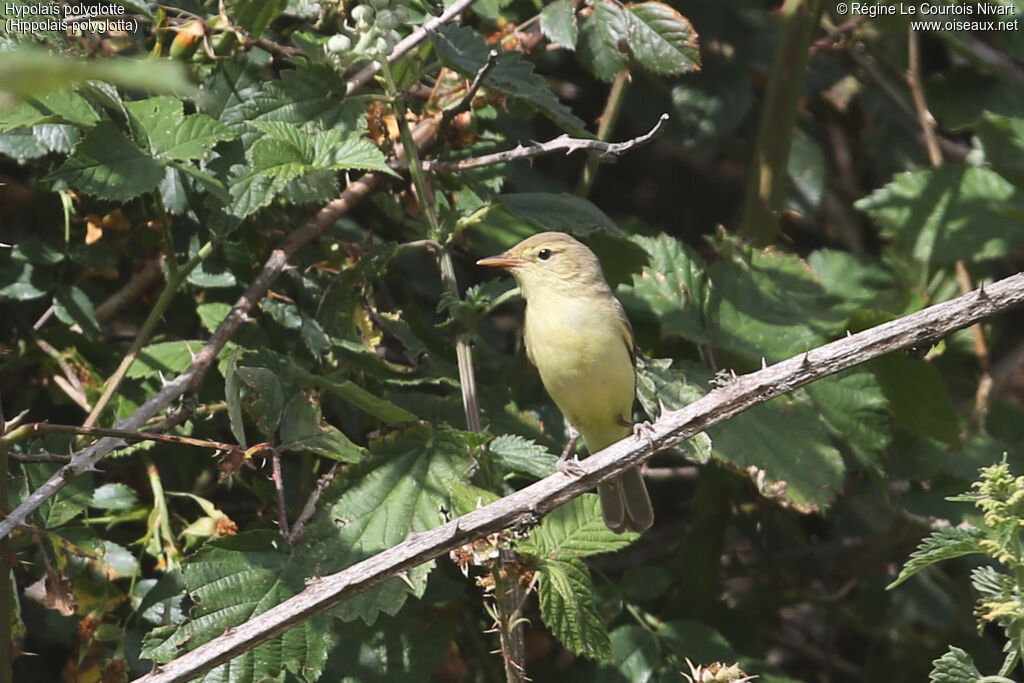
(502, 261)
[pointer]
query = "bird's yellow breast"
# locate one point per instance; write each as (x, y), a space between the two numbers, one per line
(580, 347)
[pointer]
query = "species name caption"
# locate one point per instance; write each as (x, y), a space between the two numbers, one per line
(925, 16)
(108, 18)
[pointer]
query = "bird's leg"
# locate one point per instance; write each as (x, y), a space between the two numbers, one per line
(565, 465)
(640, 430)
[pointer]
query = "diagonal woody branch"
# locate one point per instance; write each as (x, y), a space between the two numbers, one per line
(525, 506)
(86, 459)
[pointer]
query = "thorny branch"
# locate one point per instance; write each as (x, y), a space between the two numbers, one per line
(524, 506)
(563, 143)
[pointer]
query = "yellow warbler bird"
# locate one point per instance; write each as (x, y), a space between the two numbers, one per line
(578, 336)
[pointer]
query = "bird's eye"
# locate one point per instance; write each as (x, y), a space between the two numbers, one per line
(544, 254)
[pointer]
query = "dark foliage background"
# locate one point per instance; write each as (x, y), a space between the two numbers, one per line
(820, 173)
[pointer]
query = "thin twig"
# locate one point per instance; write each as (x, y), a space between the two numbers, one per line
(72, 386)
(406, 44)
(145, 278)
(282, 510)
(309, 509)
(86, 459)
(467, 100)
(129, 436)
(829, 41)
(924, 117)
(563, 143)
(984, 390)
(609, 117)
(525, 506)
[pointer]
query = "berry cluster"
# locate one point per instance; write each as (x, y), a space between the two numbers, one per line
(372, 29)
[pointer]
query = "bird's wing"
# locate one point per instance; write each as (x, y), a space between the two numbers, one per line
(627, 329)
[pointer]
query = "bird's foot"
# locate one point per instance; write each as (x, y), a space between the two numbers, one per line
(644, 430)
(570, 467)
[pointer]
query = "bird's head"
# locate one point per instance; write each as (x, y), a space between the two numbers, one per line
(551, 262)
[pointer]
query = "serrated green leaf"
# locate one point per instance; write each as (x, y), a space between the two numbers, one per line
(567, 607)
(114, 497)
(255, 15)
(233, 580)
(559, 212)
(169, 358)
(854, 405)
(402, 487)
(558, 23)
(73, 307)
(62, 106)
(576, 529)
(37, 252)
(786, 439)
(68, 503)
(674, 286)
(944, 544)
(949, 213)
(172, 135)
(604, 34)
(662, 39)
(522, 456)
(956, 666)
(1002, 138)
(106, 164)
(212, 314)
(464, 50)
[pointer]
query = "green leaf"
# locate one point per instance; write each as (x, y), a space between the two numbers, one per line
(404, 649)
(558, 23)
(62, 106)
(37, 252)
(944, 544)
(68, 503)
(559, 212)
(31, 72)
(464, 50)
(255, 15)
(786, 440)
(949, 213)
(169, 358)
(854, 406)
(24, 282)
(106, 164)
(380, 408)
(918, 398)
(636, 652)
(172, 135)
(674, 286)
(662, 39)
(604, 36)
(73, 307)
(233, 397)
(576, 529)
(522, 456)
(1002, 138)
(567, 607)
(212, 314)
(956, 666)
(114, 497)
(263, 401)
(402, 487)
(302, 430)
(231, 581)
(699, 642)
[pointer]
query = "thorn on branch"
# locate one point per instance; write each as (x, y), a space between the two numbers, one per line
(467, 101)
(563, 143)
